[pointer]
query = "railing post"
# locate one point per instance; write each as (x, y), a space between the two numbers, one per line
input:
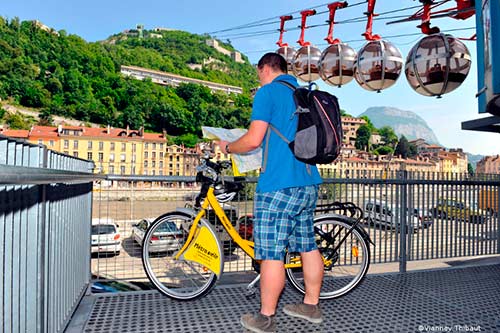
(403, 204)
(498, 218)
(42, 249)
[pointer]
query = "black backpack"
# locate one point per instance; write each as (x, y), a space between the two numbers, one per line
(318, 139)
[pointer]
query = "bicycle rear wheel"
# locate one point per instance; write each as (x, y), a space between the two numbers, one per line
(348, 264)
(180, 279)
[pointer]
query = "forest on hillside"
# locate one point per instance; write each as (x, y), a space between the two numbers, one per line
(62, 74)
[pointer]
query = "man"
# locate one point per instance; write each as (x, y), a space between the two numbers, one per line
(285, 199)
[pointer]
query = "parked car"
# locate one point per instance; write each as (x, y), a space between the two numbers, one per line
(167, 238)
(105, 236)
(454, 209)
(382, 213)
(245, 227)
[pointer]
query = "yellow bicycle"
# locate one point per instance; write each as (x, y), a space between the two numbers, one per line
(183, 257)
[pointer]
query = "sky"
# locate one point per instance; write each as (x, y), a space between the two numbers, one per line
(96, 20)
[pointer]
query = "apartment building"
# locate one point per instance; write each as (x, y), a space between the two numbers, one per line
(453, 161)
(489, 165)
(350, 126)
(115, 150)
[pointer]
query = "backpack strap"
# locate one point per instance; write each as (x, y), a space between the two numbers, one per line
(275, 130)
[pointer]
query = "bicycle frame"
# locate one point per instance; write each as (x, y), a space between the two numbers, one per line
(246, 245)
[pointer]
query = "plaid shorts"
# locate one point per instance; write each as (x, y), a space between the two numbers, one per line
(284, 219)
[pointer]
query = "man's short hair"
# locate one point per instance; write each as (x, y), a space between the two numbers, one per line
(275, 61)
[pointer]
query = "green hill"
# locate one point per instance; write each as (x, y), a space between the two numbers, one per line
(62, 74)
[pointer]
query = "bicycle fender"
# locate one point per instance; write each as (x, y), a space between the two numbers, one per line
(347, 220)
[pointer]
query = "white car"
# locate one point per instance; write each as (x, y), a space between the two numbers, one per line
(382, 213)
(167, 238)
(105, 236)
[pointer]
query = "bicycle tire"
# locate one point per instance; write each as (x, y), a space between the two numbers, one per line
(179, 279)
(345, 273)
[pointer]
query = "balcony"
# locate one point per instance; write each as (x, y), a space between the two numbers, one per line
(444, 274)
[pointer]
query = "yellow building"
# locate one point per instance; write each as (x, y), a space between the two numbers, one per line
(113, 150)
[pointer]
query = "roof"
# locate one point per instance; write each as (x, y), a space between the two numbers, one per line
(16, 133)
(92, 132)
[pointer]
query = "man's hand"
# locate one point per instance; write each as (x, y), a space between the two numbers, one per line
(222, 145)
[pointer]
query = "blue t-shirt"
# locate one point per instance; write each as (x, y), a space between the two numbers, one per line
(274, 104)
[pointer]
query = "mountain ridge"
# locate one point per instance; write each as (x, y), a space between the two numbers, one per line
(404, 122)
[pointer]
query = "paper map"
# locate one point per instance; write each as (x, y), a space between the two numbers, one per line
(244, 162)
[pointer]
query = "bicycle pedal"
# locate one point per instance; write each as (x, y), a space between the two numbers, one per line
(250, 293)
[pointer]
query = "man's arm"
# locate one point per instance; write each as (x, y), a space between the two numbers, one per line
(248, 141)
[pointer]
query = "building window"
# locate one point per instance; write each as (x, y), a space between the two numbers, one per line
(111, 169)
(145, 164)
(124, 146)
(146, 154)
(75, 144)
(161, 154)
(111, 157)
(153, 172)
(170, 166)
(122, 170)
(101, 145)
(132, 170)
(51, 143)
(153, 155)
(89, 145)
(75, 154)
(40, 141)
(161, 173)
(101, 157)
(112, 146)
(89, 156)
(146, 145)
(122, 157)
(171, 158)
(66, 144)
(154, 145)
(161, 146)
(177, 158)
(161, 164)
(153, 164)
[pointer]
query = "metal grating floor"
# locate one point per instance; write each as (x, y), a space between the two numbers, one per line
(450, 300)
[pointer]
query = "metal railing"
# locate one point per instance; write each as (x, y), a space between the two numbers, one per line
(45, 211)
(410, 216)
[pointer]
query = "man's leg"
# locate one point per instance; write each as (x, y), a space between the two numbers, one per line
(312, 266)
(272, 282)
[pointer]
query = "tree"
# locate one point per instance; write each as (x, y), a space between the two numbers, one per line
(188, 140)
(383, 150)
(413, 150)
(470, 169)
(368, 123)
(363, 135)
(388, 136)
(403, 147)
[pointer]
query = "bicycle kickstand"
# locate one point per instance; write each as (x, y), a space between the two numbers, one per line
(251, 290)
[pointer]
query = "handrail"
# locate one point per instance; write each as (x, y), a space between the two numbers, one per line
(10, 174)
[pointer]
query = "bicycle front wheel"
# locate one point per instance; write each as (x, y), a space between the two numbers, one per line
(180, 279)
(348, 259)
